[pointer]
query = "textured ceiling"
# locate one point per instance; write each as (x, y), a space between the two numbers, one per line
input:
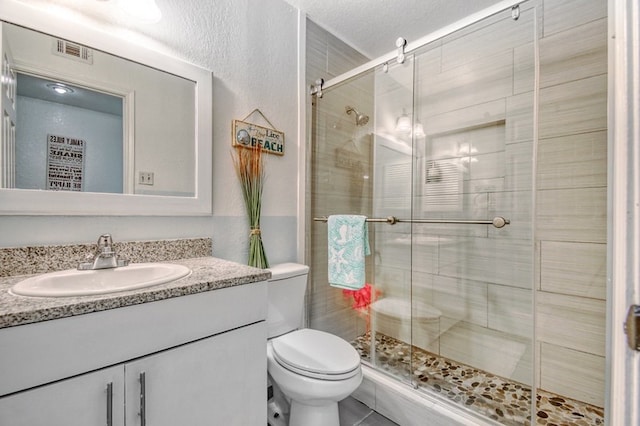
(370, 26)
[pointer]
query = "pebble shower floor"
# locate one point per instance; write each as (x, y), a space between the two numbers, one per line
(497, 398)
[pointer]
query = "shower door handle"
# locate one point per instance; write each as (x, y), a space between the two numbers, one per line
(632, 327)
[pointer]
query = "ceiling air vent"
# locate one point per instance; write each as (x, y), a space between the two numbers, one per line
(72, 50)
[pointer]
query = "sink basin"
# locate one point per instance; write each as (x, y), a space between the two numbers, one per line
(73, 282)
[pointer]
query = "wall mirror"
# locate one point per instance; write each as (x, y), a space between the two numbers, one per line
(94, 125)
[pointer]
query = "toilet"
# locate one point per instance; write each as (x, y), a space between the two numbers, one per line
(312, 369)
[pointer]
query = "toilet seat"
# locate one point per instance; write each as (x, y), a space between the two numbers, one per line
(316, 354)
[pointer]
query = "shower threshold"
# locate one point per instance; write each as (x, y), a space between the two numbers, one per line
(503, 400)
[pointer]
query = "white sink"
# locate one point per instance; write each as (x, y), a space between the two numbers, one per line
(73, 282)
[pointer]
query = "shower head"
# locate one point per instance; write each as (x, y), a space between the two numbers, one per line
(361, 119)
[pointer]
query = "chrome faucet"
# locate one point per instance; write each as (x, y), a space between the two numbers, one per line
(105, 257)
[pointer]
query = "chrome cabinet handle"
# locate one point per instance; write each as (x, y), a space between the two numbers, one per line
(110, 404)
(143, 402)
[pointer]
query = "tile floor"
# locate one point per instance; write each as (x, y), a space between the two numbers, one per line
(355, 413)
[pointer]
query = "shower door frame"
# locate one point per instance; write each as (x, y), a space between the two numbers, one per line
(623, 251)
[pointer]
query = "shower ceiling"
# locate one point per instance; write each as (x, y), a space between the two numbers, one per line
(372, 26)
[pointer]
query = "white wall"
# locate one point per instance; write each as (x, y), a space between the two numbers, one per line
(251, 48)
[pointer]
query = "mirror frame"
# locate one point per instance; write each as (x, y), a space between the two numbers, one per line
(42, 202)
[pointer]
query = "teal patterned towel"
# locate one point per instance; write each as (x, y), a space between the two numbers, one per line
(348, 245)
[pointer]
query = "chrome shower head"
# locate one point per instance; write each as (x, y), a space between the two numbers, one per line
(361, 119)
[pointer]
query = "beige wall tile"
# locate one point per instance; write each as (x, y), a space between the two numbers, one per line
(575, 161)
(575, 107)
(524, 71)
(519, 122)
(574, 374)
(473, 116)
(519, 167)
(481, 40)
(559, 15)
(511, 310)
(489, 260)
(573, 322)
(485, 79)
(344, 323)
(493, 351)
(341, 57)
(574, 54)
(578, 269)
(572, 215)
(461, 299)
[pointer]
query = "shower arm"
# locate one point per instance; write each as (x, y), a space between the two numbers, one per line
(498, 221)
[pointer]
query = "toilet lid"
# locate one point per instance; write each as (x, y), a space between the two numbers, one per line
(314, 353)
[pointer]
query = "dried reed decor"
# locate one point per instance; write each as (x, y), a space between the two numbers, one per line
(249, 165)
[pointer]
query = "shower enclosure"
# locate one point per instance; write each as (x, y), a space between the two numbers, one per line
(447, 150)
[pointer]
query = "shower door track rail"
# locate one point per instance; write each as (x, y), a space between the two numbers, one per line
(498, 221)
(393, 55)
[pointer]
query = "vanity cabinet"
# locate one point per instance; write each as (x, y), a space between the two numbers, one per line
(211, 381)
(201, 357)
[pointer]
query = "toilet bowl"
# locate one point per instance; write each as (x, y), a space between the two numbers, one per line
(313, 369)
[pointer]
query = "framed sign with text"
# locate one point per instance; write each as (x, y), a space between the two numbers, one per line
(65, 163)
(251, 135)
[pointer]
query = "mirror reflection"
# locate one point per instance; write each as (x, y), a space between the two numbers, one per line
(79, 119)
(68, 138)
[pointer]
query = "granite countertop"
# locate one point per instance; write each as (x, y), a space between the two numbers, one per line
(208, 273)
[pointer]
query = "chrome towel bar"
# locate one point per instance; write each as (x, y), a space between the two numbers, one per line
(497, 221)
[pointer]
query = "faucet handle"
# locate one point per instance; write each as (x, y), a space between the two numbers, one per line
(105, 243)
(105, 240)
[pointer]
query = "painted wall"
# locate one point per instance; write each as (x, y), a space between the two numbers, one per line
(251, 48)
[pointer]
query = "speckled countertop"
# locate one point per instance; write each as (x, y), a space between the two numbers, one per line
(208, 273)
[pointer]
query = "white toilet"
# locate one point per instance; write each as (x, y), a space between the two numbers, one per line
(313, 369)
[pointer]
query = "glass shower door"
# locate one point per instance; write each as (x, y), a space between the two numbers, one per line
(340, 170)
(393, 167)
(472, 284)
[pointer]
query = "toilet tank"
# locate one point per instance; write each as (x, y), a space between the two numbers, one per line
(285, 291)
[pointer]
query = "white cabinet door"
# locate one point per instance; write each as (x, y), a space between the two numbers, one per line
(220, 380)
(80, 401)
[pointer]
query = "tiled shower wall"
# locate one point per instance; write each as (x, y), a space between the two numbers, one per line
(336, 180)
(571, 199)
(570, 215)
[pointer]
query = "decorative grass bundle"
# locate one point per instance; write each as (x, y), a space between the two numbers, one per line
(249, 165)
